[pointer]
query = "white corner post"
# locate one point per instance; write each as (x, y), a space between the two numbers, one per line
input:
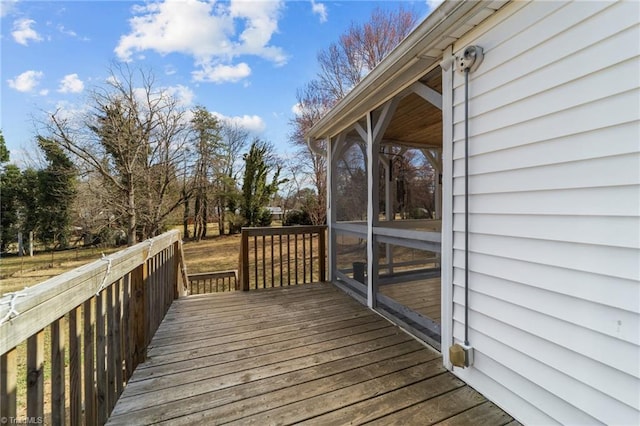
(372, 212)
(446, 280)
(375, 131)
(332, 161)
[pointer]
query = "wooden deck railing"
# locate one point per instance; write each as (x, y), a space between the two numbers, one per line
(212, 282)
(97, 320)
(276, 257)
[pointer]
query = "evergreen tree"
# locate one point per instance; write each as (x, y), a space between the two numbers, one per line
(29, 196)
(4, 152)
(57, 191)
(10, 186)
(256, 192)
(10, 189)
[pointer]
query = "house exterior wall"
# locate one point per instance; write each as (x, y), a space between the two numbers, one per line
(554, 306)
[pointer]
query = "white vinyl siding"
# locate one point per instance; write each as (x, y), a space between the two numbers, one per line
(554, 309)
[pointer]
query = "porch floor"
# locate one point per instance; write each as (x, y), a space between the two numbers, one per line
(306, 354)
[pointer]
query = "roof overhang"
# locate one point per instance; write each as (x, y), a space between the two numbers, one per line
(419, 52)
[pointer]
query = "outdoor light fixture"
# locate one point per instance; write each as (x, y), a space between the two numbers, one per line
(469, 59)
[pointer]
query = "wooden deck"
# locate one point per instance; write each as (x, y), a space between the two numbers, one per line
(306, 354)
(422, 296)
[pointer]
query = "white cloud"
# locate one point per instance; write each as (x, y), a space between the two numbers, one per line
(112, 80)
(164, 96)
(222, 73)
(319, 9)
(73, 113)
(296, 109)
(43, 92)
(185, 27)
(253, 123)
(260, 23)
(299, 110)
(71, 83)
(65, 31)
(27, 81)
(182, 94)
(213, 33)
(22, 31)
(433, 4)
(6, 7)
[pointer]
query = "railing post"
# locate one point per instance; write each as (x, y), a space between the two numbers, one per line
(244, 261)
(182, 269)
(322, 255)
(177, 289)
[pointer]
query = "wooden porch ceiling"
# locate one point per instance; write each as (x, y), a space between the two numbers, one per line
(415, 123)
(306, 354)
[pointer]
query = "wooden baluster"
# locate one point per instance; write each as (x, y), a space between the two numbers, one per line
(126, 327)
(264, 263)
(280, 258)
(310, 257)
(57, 373)
(255, 258)
(102, 397)
(322, 254)
(304, 258)
(295, 249)
(149, 288)
(159, 289)
(75, 383)
(117, 341)
(35, 375)
(272, 264)
(155, 276)
(8, 384)
(110, 346)
(175, 267)
(139, 317)
(288, 260)
(90, 399)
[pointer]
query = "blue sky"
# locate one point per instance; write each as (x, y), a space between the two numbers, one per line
(243, 60)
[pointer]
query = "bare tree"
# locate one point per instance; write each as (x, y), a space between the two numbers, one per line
(205, 129)
(234, 139)
(341, 66)
(133, 137)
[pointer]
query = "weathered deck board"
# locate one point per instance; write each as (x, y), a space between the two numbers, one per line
(422, 296)
(290, 355)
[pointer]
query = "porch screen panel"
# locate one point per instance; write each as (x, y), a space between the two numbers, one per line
(351, 185)
(407, 184)
(351, 256)
(409, 289)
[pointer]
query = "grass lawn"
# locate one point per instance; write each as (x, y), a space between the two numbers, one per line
(212, 254)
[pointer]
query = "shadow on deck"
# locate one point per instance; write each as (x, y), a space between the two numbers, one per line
(303, 354)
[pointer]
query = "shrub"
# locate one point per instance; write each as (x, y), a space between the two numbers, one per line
(296, 217)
